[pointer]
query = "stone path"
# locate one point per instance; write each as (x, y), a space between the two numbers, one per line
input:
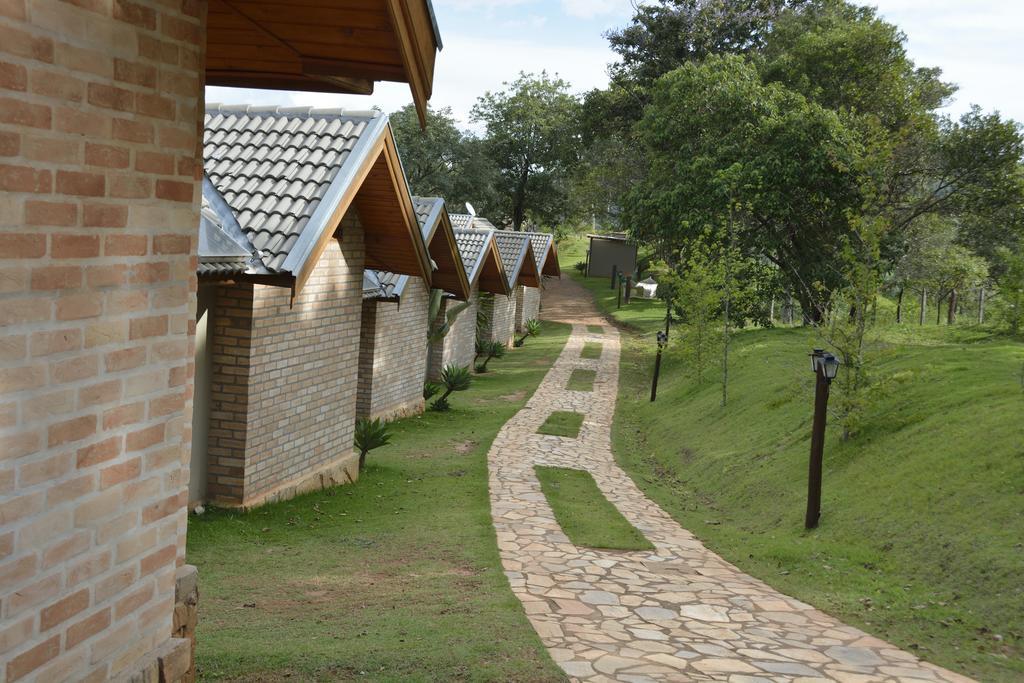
(678, 613)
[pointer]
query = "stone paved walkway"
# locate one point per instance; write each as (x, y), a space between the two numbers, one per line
(678, 613)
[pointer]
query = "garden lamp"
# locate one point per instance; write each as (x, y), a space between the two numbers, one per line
(825, 366)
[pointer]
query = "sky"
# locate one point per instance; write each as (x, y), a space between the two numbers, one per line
(977, 44)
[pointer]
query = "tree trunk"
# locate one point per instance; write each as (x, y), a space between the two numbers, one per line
(771, 310)
(519, 201)
(362, 460)
(938, 309)
(951, 315)
(981, 305)
(899, 307)
(924, 305)
(787, 311)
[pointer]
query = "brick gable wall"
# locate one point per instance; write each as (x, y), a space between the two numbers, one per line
(527, 306)
(99, 114)
(393, 354)
(502, 312)
(459, 346)
(284, 379)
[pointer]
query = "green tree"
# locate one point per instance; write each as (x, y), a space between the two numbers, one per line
(442, 160)
(531, 137)
(1011, 288)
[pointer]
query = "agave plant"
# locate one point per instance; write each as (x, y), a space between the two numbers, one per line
(492, 349)
(530, 329)
(453, 378)
(370, 434)
(441, 326)
(430, 390)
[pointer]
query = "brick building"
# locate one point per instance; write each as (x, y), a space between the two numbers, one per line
(100, 118)
(528, 298)
(520, 264)
(281, 329)
(393, 332)
(486, 277)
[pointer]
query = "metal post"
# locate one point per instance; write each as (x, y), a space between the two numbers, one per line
(817, 449)
(662, 339)
(615, 276)
(618, 303)
(629, 287)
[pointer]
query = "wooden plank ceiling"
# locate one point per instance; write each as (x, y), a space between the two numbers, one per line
(341, 46)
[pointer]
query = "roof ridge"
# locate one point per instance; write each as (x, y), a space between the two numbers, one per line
(297, 111)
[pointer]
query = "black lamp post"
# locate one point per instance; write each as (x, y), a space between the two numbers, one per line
(825, 367)
(662, 340)
(618, 297)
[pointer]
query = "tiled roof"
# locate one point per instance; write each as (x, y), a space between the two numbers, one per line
(461, 220)
(274, 166)
(512, 247)
(472, 245)
(541, 244)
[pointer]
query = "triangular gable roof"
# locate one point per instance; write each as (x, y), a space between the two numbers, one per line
(290, 174)
(450, 273)
(517, 256)
(546, 253)
(482, 261)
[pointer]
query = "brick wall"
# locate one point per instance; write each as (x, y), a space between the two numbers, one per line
(502, 312)
(393, 354)
(459, 346)
(99, 107)
(283, 385)
(527, 306)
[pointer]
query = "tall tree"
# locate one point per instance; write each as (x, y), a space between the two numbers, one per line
(442, 160)
(531, 137)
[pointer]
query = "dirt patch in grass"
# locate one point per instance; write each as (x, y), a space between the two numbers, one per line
(562, 423)
(463, 447)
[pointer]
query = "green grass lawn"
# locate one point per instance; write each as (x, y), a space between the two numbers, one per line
(581, 380)
(396, 577)
(591, 350)
(562, 423)
(922, 534)
(584, 514)
(595, 329)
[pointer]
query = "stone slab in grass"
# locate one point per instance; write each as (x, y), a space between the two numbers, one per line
(595, 329)
(585, 515)
(581, 380)
(562, 423)
(592, 350)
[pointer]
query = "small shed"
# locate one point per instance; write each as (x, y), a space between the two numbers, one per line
(610, 251)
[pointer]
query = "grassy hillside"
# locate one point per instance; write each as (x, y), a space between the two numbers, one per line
(922, 533)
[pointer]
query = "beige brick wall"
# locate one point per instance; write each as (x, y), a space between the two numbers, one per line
(459, 346)
(284, 380)
(527, 306)
(393, 354)
(99, 106)
(502, 312)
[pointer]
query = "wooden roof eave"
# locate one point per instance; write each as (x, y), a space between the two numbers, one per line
(344, 191)
(529, 276)
(551, 266)
(453, 278)
(491, 273)
(418, 43)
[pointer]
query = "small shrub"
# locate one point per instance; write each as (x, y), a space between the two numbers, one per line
(453, 378)
(430, 390)
(531, 329)
(492, 349)
(581, 266)
(370, 434)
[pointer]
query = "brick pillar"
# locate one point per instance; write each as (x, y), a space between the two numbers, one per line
(99, 106)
